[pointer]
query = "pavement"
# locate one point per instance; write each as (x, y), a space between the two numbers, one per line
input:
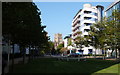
(16, 61)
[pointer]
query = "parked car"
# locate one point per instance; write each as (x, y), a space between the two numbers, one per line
(74, 55)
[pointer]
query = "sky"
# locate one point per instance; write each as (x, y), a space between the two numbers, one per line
(58, 16)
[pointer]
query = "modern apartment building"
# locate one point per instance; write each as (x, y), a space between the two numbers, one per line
(68, 42)
(57, 40)
(67, 39)
(114, 6)
(83, 20)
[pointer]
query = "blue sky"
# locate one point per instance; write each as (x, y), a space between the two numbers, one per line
(58, 16)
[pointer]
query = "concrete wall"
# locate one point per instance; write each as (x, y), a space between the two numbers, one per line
(65, 43)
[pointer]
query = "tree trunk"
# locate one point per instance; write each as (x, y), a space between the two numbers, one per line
(112, 52)
(115, 53)
(104, 55)
(24, 54)
(95, 54)
(119, 52)
(29, 52)
(35, 52)
(13, 58)
(8, 54)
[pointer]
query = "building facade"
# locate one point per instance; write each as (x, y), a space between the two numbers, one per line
(83, 20)
(57, 40)
(113, 6)
(108, 12)
(67, 40)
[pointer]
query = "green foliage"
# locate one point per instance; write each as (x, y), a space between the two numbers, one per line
(79, 41)
(51, 44)
(60, 46)
(106, 34)
(63, 49)
(22, 24)
(42, 53)
(69, 41)
(49, 47)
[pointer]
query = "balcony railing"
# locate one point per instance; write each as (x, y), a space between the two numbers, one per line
(76, 21)
(87, 27)
(76, 27)
(85, 33)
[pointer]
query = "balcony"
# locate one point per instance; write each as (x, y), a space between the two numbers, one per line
(75, 36)
(76, 22)
(76, 27)
(87, 27)
(87, 12)
(87, 24)
(86, 30)
(75, 32)
(87, 21)
(85, 33)
(87, 18)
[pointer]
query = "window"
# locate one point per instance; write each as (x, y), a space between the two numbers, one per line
(86, 30)
(90, 51)
(87, 24)
(86, 36)
(87, 18)
(96, 20)
(78, 22)
(96, 14)
(87, 12)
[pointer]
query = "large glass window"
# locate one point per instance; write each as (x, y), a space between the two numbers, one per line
(109, 12)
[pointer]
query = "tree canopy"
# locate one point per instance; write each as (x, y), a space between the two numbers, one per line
(106, 34)
(22, 23)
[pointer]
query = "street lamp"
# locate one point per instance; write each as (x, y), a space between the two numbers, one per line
(94, 46)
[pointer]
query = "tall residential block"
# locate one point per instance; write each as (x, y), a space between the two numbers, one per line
(57, 40)
(83, 20)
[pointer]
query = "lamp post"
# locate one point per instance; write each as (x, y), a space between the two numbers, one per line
(8, 54)
(94, 46)
(9, 50)
(104, 50)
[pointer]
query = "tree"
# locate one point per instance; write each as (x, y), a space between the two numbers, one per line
(51, 47)
(63, 49)
(113, 29)
(106, 33)
(22, 25)
(79, 41)
(69, 41)
(97, 35)
(60, 46)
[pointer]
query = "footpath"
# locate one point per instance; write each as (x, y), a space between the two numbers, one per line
(16, 61)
